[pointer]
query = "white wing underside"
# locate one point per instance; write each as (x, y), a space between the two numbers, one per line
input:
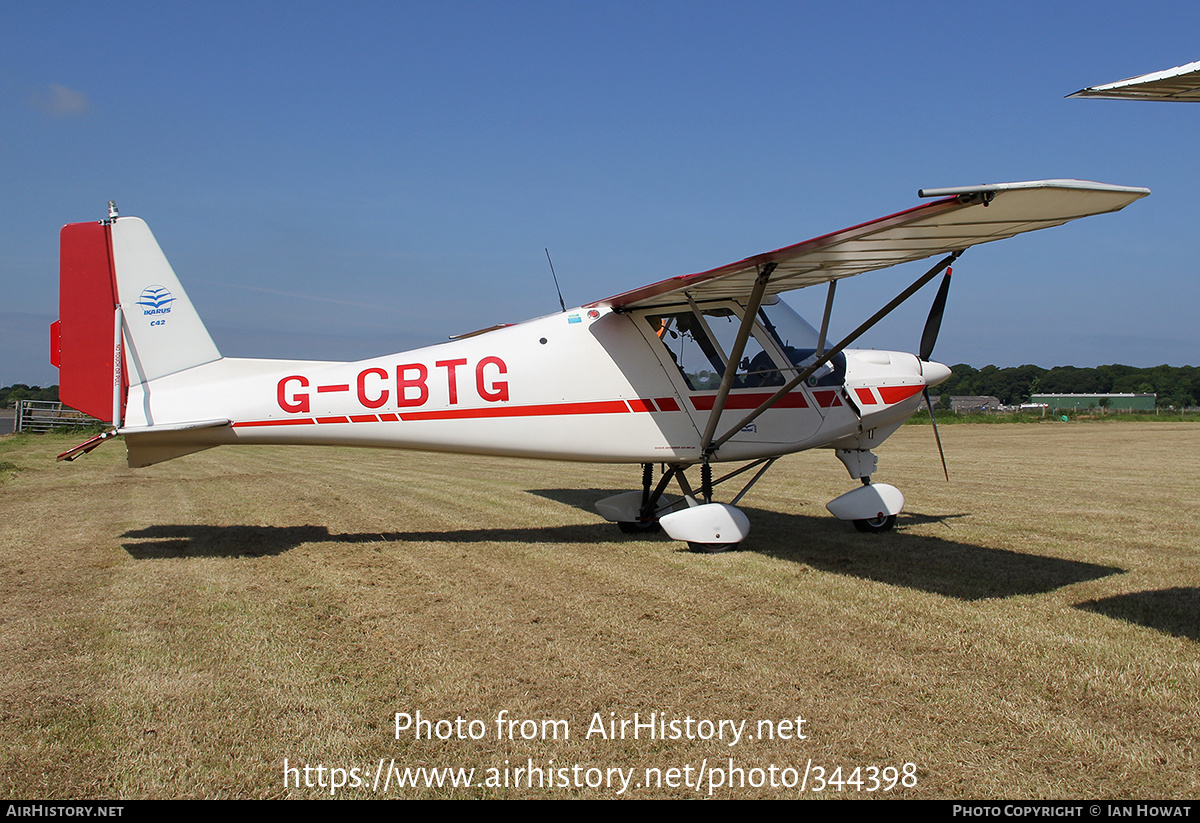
(1180, 84)
(962, 217)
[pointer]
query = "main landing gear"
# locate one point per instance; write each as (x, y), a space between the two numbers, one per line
(709, 527)
(706, 527)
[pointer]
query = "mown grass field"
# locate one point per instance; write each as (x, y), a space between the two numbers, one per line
(1030, 630)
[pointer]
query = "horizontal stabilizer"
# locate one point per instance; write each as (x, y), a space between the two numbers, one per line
(173, 427)
(147, 445)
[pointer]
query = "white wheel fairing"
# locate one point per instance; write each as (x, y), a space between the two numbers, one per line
(867, 503)
(710, 523)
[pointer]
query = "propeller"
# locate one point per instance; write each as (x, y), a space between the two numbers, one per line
(933, 324)
(936, 436)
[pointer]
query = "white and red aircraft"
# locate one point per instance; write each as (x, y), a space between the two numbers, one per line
(695, 370)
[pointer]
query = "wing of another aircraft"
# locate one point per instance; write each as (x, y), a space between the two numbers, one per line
(961, 217)
(1180, 84)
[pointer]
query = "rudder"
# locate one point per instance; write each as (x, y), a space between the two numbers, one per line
(83, 339)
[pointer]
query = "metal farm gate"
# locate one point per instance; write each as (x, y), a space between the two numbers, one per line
(46, 415)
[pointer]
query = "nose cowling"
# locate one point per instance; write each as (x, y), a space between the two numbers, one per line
(934, 373)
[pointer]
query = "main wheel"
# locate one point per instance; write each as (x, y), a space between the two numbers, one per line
(876, 525)
(710, 548)
(639, 526)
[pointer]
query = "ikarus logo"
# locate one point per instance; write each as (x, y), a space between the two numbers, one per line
(155, 300)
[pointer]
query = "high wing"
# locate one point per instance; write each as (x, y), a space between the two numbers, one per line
(962, 217)
(1180, 84)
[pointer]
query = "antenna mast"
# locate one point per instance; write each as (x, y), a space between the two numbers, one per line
(555, 276)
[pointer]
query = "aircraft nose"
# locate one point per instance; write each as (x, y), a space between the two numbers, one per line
(934, 373)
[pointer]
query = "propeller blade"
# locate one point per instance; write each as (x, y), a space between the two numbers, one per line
(936, 436)
(933, 323)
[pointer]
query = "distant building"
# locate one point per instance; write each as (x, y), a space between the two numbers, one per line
(1124, 402)
(974, 403)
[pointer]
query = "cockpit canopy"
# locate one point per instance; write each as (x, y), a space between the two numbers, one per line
(700, 339)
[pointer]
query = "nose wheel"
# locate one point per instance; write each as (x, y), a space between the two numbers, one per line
(872, 507)
(876, 525)
(709, 548)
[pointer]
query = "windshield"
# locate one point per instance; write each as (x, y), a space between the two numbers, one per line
(700, 343)
(799, 342)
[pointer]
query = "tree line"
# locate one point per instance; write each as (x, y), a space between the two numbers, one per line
(9, 395)
(1177, 386)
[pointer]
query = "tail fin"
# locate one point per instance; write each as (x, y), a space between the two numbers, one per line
(114, 275)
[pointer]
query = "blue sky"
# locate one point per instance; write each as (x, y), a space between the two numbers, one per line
(338, 181)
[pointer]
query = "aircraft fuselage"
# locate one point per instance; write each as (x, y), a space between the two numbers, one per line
(589, 384)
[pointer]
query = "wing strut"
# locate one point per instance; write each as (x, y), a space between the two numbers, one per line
(709, 449)
(823, 339)
(735, 356)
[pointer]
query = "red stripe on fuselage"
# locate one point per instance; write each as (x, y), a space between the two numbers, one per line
(548, 410)
(545, 410)
(751, 401)
(296, 421)
(827, 398)
(894, 394)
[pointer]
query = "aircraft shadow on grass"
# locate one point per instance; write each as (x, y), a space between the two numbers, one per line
(931, 564)
(1171, 611)
(170, 542)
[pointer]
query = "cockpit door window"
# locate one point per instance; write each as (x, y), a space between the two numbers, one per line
(700, 345)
